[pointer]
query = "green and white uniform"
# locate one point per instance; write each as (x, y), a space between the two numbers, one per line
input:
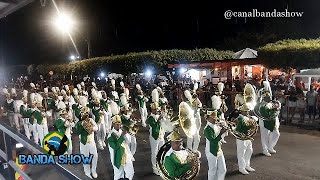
(216, 161)
(174, 163)
(64, 126)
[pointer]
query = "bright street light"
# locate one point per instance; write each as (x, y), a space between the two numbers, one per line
(102, 74)
(148, 73)
(72, 57)
(182, 70)
(64, 23)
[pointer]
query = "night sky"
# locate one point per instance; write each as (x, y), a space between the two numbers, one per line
(117, 27)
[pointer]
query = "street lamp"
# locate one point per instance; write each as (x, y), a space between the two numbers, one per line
(64, 23)
(72, 57)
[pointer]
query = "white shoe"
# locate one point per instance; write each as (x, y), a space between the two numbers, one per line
(89, 176)
(94, 175)
(243, 171)
(144, 124)
(104, 144)
(266, 153)
(250, 169)
(156, 172)
(272, 151)
(223, 141)
(133, 159)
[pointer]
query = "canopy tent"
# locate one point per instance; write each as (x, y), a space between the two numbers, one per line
(246, 53)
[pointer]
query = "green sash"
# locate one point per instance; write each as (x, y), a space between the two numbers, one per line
(140, 100)
(214, 140)
(77, 111)
(118, 150)
(104, 104)
(241, 126)
(82, 132)
(269, 115)
(97, 116)
(174, 168)
(59, 124)
(155, 127)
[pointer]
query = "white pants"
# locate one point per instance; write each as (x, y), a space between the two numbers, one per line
(268, 139)
(16, 120)
(124, 171)
(193, 143)
(26, 125)
(69, 151)
(101, 133)
(133, 145)
(217, 166)
(107, 121)
(42, 131)
(35, 133)
(86, 150)
(49, 118)
(144, 114)
(244, 152)
(155, 146)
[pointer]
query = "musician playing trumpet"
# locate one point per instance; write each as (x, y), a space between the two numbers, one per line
(213, 133)
(120, 154)
(64, 124)
(86, 128)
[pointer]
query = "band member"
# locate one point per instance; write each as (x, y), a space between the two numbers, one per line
(216, 161)
(194, 103)
(9, 107)
(48, 105)
(64, 125)
(156, 136)
(128, 123)
(114, 93)
(25, 114)
(142, 101)
(76, 107)
(120, 155)
(86, 128)
(244, 147)
(106, 111)
(269, 122)
(16, 106)
(175, 161)
(163, 101)
(42, 126)
(97, 113)
(125, 90)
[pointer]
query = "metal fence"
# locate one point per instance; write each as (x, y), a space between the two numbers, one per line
(11, 137)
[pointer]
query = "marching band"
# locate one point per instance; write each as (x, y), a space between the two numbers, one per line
(105, 120)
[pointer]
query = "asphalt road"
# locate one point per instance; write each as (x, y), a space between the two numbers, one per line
(297, 158)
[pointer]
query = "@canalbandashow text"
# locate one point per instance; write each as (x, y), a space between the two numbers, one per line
(44, 159)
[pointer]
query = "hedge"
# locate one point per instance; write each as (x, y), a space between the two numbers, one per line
(135, 62)
(300, 53)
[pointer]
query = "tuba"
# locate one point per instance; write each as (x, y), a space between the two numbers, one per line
(192, 158)
(236, 120)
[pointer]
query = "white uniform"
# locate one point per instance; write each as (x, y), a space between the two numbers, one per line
(269, 138)
(17, 115)
(244, 152)
(193, 143)
(155, 143)
(90, 148)
(126, 170)
(143, 110)
(26, 123)
(217, 165)
(42, 128)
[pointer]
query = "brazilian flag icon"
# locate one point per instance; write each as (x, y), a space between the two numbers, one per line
(55, 143)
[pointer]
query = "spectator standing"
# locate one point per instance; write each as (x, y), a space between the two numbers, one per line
(311, 102)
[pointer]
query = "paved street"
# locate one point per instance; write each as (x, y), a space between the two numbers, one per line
(297, 158)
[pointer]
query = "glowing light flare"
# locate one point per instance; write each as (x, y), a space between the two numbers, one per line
(194, 74)
(182, 70)
(64, 22)
(148, 73)
(72, 57)
(102, 74)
